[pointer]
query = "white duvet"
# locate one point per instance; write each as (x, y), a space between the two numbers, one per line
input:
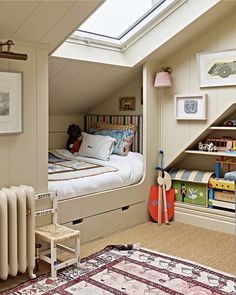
(130, 172)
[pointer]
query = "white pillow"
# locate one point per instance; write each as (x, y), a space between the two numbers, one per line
(96, 146)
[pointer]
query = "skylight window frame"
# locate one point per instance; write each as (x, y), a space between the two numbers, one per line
(152, 18)
(131, 27)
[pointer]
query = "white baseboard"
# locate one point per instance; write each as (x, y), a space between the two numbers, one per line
(213, 219)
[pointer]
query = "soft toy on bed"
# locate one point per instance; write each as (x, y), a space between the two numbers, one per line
(75, 138)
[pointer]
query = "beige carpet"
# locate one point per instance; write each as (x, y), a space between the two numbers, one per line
(207, 247)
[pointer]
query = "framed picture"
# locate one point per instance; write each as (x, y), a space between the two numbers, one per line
(217, 68)
(10, 102)
(191, 107)
(127, 103)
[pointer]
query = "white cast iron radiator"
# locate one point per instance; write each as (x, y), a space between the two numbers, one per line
(17, 231)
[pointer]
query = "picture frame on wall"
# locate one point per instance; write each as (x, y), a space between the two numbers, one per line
(191, 107)
(127, 103)
(217, 68)
(10, 102)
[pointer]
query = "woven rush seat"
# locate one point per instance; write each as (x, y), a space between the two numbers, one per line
(55, 235)
(55, 231)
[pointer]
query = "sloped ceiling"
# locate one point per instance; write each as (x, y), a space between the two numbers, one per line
(77, 86)
(49, 22)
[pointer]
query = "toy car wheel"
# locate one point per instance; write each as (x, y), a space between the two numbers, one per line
(224, 72)
(229, 123)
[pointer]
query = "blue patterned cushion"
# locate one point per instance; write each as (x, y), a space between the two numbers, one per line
(123, 139)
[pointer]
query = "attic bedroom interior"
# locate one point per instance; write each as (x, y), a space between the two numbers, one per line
(118, 147)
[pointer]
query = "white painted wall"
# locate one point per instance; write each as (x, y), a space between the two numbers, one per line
(23, 157)
(111, 105)
(58, 126)
(177, 135)
(163, 130)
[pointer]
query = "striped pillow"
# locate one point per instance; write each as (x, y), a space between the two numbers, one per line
(111, 126)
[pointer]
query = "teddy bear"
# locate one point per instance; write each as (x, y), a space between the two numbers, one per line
(75, 138)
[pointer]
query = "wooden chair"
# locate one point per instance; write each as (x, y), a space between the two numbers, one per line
(55, 234)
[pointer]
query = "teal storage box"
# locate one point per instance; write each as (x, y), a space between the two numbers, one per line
(191, 186)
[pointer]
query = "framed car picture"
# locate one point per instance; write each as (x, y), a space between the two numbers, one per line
(217, 68)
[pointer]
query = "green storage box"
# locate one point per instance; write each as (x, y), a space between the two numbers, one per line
(191, 186)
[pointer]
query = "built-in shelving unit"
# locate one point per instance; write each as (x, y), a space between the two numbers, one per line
(219, 154)
(222, 128)
(222, 215)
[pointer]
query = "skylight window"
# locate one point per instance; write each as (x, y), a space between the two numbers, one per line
(114, 18)
(117, 21)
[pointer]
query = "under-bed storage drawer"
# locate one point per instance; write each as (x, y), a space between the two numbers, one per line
(100, 225)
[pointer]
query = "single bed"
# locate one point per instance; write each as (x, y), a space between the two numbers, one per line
(124, 171)
(105, 201)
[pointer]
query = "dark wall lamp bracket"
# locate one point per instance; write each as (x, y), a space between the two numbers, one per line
(8, 54)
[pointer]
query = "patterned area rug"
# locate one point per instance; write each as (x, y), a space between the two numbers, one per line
(113, 271)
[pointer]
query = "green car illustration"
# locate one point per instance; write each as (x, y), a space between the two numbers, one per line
(223, 69)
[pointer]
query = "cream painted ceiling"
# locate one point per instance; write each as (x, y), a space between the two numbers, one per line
(48, 21)
(76, 86)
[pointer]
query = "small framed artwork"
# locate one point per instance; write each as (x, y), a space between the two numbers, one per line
(191, 107)
(10, 102)
(127, 103)
(217, 68)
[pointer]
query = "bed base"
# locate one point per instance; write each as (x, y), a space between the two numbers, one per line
(98, 215)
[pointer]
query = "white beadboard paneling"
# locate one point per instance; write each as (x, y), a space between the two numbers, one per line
(151, 130)
(185, 80)
(88, 88)
(111, 105)
(58, 126)
(70, 71)
(175, 22)
(42, 120)
(226, 34)
(4, 142)
(57, 140)
(42, 19)
(71, 20)
(4, 160)
(61, 123)
(156, 37)
(56, 65)
(23, 156)
(13, 14)
(23, 146)
(197, 7)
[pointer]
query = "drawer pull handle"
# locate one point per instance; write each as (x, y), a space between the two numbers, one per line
(77, 221)
(125, 208)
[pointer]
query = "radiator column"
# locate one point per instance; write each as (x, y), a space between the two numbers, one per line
(3, 236)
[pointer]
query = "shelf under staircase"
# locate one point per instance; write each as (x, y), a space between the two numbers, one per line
(222, 217)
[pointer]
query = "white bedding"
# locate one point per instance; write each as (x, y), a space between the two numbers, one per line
(130, 172)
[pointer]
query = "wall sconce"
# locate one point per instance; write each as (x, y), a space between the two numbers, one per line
(162, 78)
(8, 54)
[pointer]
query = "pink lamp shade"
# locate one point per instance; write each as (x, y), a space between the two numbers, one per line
(163, 79)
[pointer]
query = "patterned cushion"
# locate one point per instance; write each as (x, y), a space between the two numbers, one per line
(123, 139)
(111, 126)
